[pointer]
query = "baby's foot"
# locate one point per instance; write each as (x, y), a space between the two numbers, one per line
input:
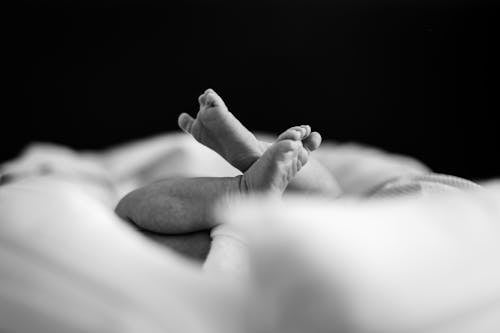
(278, 165)
(218, 129)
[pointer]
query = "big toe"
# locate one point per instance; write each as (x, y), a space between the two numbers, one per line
(185, 122)
(313, 141)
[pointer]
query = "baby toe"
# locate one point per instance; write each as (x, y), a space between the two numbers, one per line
(185, 122)
(313, 141)
(307, 129)
(202, 99)
(294, 133)
(213, 99)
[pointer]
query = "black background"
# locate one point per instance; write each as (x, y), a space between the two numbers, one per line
(414, 77)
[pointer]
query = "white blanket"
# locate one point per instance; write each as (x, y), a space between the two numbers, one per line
(69, 265)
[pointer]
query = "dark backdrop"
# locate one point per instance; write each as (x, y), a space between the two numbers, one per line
(415, 77)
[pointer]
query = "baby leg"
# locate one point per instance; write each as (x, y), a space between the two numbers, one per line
(184, 205)
(218, 129)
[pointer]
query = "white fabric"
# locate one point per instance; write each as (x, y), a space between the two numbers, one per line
(69, 265)
(429, 265)
(360, 169)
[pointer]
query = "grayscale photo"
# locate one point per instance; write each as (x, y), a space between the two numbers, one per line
(266, 166)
